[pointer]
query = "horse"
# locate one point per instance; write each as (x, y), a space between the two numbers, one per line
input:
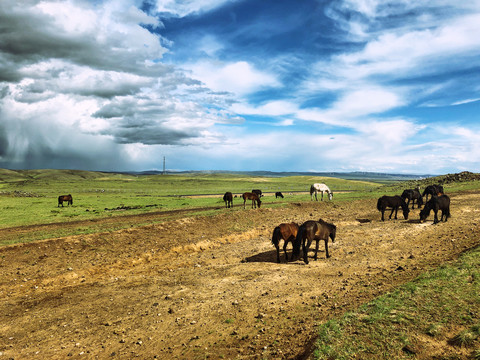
(412, 194)
(432, 190)
(393, 202)
(287, 232)
(436, 203)
(258, 192)
(68, 198)
(313, 230)
(251, 196)
(278, 194)
(320, 188)
(228, 198)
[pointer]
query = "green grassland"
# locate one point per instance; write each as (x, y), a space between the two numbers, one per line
(441, 305)
(30, 197)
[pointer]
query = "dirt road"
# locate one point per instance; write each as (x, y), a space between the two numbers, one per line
(210, 287)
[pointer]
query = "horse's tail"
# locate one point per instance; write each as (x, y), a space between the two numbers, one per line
(298, 241)
(277, 234)
(379, 204)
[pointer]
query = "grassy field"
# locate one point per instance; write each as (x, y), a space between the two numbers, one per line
(441, 306)
(31, 196)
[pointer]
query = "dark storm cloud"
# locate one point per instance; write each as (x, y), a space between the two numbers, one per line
(28, 37)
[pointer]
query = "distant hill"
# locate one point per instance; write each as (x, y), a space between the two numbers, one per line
(46, 174)
(341, 175)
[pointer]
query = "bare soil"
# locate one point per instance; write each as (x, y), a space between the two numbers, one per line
(200, 287)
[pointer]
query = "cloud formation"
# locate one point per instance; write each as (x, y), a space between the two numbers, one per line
(240, 85)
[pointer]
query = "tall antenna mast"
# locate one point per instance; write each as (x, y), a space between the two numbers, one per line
(164, 165)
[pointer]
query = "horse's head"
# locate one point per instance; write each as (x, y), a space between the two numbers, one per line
(259, 202)
(330, 195)
(405, 209)
(333, 233)
(424, 213)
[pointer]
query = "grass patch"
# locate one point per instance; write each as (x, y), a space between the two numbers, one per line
(392, 326)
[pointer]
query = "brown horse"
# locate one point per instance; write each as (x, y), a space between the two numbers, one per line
(68, 198)
(313, 230)
(228, 198)
(251, 196)
(287, 232)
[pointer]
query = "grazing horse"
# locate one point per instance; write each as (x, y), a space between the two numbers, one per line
(258, 192)
(278, 194)
(313, 230)
(320, 188)
(432, 190)
(68, 198)
(228, 198)
(412, 194)
(251, 196)
(436, 203)
(287, 232)
(393, 202)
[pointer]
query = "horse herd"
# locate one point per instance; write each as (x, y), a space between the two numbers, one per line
(438, 202)
(302, 236)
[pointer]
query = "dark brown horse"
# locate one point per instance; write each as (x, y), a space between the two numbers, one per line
(313, 230)
(436, 203)
(251, 196)
(287, 232)
(432, 190)
(412, 194)
(278, 194)
(228, 198)
(393, 202)
(68, 198)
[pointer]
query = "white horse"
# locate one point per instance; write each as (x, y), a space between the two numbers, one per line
(320, 188)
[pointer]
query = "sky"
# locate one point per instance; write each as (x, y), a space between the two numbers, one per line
(241, 85)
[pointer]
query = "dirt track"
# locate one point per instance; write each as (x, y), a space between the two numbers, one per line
(200, 287)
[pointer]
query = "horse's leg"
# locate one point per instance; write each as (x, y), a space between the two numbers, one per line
(305, 250)
(278, 251)
(326, 248)
(383, 214)
(285, 242)
(244, 201)
(393, 209)
(396, 211)
(435, 217)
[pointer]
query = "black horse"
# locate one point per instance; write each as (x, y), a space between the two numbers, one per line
(68, 198)
(432, 190)
(412, 194)
(436, 203)
(313, 230)
(393, 202)
(258, 192)
(228, 198)
(287, 232)
(278, 194)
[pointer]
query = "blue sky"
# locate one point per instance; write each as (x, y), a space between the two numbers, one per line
(346, 85)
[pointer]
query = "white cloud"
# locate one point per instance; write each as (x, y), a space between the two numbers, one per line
(187, 7)
(240, 77)
(271, 108)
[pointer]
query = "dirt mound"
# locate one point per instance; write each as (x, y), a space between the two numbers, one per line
(199, 287)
